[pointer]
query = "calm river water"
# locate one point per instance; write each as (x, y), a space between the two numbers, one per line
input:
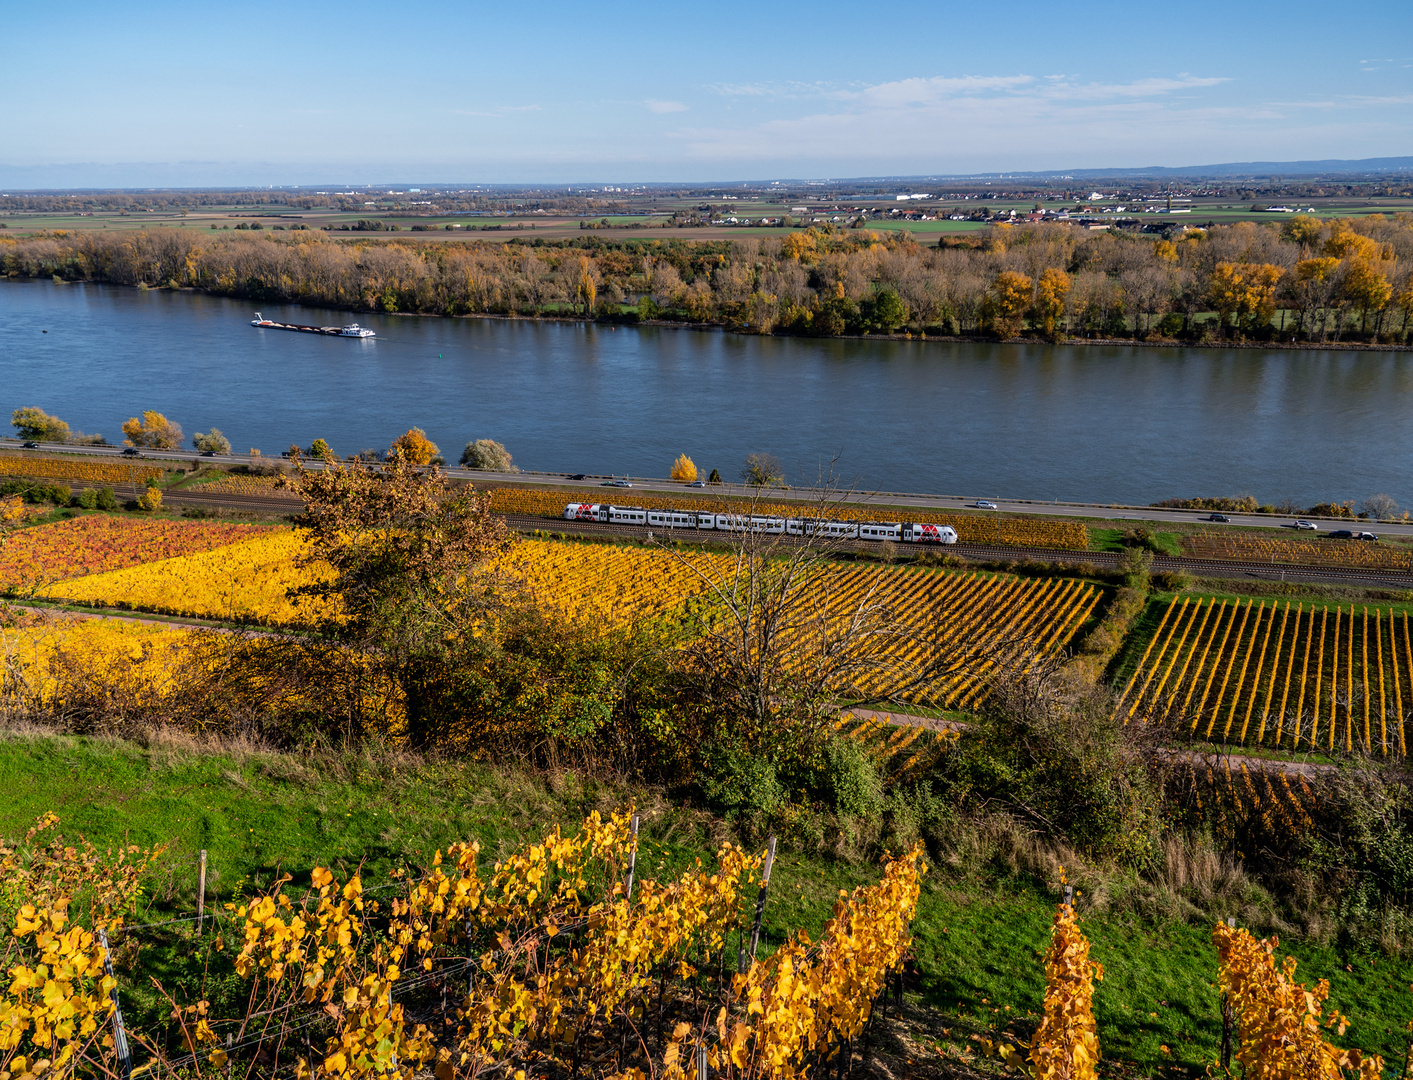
(1027, 421)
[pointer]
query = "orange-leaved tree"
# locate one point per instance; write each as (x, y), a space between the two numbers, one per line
(414, 447)
(1280, 1020)
(684, 469)
(153, 430)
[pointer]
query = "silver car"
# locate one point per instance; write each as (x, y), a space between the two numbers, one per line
(1307, 526)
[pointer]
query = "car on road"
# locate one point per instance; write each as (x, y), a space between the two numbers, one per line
(1369, 536)
(1217, 517)
(985, 504)
(1306, 526)
(208, 453)
(131, 451)
(1341, 534)
(619, 483)
(30, 444)
(697, 483)
(576, 476)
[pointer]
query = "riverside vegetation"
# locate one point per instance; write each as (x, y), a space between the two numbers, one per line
(1302, 280)
(429, 681)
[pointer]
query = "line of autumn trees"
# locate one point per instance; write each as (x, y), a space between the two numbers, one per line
(1299, 279)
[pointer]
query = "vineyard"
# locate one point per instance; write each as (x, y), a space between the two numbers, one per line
(1215, 544)
(84, 471)
(543, 960)
(1273, 673)
(44, 660)
(611, 586)
(238, 485)
(96, 543)
(971, 529)
(243, 582)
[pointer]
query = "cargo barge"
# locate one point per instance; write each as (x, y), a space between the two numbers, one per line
(351, 330)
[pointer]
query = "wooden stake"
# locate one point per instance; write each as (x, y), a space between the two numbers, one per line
(760, 898)
(201, 892)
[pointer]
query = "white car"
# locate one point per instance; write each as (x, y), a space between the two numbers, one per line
(1308, 526)
(985, 504)
(697, 483)
(622, 483)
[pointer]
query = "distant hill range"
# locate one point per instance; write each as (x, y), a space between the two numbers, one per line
(1382, 166)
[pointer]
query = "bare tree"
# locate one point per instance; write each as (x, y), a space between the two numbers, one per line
(787, 634)
(1380, 507)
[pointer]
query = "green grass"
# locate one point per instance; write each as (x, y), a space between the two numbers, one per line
(979, 938)
(1112, 539)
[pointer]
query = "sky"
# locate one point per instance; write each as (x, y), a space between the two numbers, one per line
(304, 92)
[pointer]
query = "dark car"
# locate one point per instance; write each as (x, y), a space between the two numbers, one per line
(131, 451)
(208, 453)
(1218, 517)
(30, 445)
(1341, 534)
(577, 476)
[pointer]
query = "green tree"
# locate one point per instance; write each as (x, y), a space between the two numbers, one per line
(320, 448)
(411, 568)
(35, 424)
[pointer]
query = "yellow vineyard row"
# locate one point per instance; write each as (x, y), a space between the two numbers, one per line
(93, 472)
(1279, 674)
(971, 529)
(1307, 552)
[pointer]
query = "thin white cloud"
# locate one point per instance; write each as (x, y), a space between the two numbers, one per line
(657, 106)
(498, 111)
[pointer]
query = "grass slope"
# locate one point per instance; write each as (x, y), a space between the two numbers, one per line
(979, 936)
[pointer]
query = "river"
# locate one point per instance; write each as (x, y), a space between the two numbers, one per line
(1086, 423)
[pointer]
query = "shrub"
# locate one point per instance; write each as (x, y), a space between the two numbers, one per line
(415, 447)
(34, 423)
(107, 500)
(150, 500)
(211, 442)
(853, 779)
(88, 499)
(487, 454)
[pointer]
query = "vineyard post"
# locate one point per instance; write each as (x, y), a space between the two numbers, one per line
(1227, 1018)
(201, 892)
(703, 1072)
(120, 1035)
(760, 899)
(633, 856)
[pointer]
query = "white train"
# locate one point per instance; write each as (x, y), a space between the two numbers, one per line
(909, 532)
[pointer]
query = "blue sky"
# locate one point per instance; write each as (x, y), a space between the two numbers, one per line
(306, 92)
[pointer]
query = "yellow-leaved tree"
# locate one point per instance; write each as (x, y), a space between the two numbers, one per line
(684, 469)
(1050, 296)
(1010, 296)
(154, 431)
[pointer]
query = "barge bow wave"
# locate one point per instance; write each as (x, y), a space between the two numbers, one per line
(351, 330)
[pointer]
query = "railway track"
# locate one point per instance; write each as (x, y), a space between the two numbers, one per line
(1107, 560)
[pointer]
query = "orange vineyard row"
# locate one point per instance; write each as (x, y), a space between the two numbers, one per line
(971, 529)
(1273, 673)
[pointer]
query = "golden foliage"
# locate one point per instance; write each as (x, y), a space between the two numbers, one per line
(1280, 1020)
(94, 472)
(684, 469)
